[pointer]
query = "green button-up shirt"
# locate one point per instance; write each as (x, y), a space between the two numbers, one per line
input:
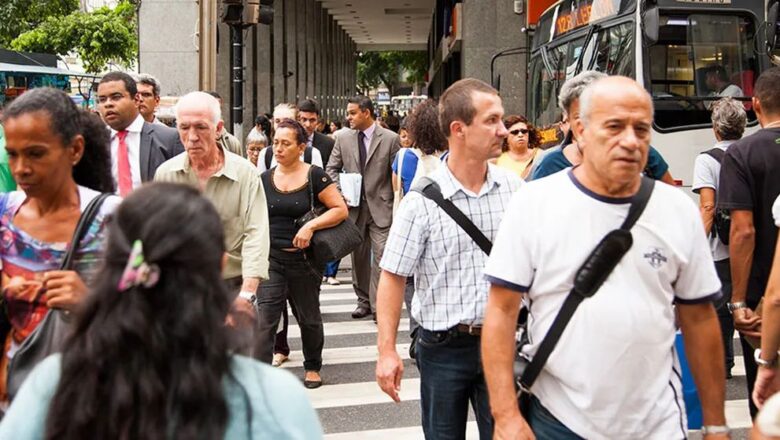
(237, 192)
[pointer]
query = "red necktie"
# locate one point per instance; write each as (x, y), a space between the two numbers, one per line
(125, 176)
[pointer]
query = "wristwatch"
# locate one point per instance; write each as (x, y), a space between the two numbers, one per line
(765, 363)
(736, 305)
(715, 430)
(249, 296)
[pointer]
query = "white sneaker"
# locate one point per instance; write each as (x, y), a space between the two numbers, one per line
(279, 359)
(333, 281)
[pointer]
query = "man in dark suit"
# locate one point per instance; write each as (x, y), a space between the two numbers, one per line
(309, 116)
(137, 147)
(368, 150)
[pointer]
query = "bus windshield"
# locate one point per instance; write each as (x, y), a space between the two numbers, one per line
(698, 59)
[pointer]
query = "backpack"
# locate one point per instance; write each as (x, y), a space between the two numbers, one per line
(269, 155)
(721, 223)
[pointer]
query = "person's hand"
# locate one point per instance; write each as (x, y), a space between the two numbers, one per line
(389, 371)
(512, 427)
(64, 289)
(242, 314)
(767, 384)
(747, 322)
(302, 239)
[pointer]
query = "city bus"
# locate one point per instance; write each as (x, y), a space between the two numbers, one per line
(668, 46)
(403, 104)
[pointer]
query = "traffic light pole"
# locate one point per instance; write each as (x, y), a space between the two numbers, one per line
(237, 95)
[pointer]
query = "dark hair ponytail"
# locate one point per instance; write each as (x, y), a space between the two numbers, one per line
(67, 121)
(148, 363)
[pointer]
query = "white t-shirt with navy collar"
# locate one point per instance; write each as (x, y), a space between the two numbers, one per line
(614, 373)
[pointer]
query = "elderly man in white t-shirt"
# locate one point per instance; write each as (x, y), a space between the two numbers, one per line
(614, 373)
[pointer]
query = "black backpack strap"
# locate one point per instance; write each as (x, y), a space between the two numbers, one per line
(307, 153)
(715, 153)
(573, 300)
(431, 190)
(85, 221)
(269, 155)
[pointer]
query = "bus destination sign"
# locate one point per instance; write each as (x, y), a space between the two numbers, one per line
(587, 12)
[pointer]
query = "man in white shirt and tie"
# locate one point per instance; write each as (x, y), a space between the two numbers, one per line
(137, 147)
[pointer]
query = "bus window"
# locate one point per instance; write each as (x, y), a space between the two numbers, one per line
(698, 58)
(615, 54)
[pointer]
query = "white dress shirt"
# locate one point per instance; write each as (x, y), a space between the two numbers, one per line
(133, 141)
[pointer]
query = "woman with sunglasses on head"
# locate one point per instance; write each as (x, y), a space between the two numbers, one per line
(521, 146)
(149, 356)
(60, 159)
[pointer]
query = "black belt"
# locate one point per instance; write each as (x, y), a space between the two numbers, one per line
(461, 329)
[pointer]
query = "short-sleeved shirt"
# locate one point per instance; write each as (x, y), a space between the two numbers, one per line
(555, 161)
(446, 263)
(262, 402)
(7, 182)
(614, 373)
(776, 212)
(706, 174)
(284, 207)
(409, 167)
(749, 182)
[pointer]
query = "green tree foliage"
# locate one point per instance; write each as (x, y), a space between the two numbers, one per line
(389, 68)
(98, 37)
(20, 16)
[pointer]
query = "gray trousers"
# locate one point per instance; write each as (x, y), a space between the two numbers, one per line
(366, 258)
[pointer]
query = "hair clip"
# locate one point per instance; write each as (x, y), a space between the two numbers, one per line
(138, 272)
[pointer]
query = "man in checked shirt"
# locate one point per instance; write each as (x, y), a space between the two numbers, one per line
(450, 290)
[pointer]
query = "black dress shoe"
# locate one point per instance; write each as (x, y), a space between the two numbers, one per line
(360, 313)
(311, 384)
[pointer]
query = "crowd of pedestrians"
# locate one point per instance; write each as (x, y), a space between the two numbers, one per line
(147, 271)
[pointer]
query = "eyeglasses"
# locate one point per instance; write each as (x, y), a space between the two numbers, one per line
(518, 131)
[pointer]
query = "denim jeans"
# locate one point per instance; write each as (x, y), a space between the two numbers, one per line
(332, 268)
(291, 277)
(545, 426)
(450, 377)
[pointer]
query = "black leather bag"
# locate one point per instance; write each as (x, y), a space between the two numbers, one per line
(331, 244)
(50, 334)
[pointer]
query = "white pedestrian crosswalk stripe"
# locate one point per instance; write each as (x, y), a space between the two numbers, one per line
(349, 388)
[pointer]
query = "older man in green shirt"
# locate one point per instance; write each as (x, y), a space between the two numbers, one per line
(232, 184)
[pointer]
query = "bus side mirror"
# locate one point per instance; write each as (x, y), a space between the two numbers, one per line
(650, 25)
(497, 82)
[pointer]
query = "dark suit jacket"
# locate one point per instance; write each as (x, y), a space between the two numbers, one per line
(323, 143)
(158, 144)
(377, 181)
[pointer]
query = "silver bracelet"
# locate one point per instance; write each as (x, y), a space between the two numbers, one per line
(715, 430)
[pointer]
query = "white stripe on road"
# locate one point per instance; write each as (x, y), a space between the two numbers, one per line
(345, 355)
(409, 433)
(738, 414)
(342, 286)
(337, 308)
(360, 393)
(346, 328)
(341, 296)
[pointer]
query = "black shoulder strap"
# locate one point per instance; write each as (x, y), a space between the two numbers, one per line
(574, 299)
(85, 220)
(269, 155)
(431, 190)
(716, 153)
(307, 153)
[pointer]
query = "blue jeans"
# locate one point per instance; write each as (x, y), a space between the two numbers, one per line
(332, 268)
(450, 377)
(545, 426)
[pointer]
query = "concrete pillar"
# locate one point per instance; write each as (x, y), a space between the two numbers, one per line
(264, 73)
(310, 47)
(319, 54)
(279, 61)
(224, 76)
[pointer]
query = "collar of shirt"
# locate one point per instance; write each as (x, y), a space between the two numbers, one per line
(450, 185)
(135, 127)
(723, 144)
(369, 133)
(310, 141)
(228, 168)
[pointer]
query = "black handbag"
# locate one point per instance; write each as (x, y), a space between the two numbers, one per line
(50, 334)
(331, 244)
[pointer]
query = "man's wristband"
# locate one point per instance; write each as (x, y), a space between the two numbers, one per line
(715, 430)
(249, 296)
(772, 363)
(736, 306)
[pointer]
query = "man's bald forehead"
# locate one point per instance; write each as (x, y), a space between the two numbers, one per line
(613, 89)
(200, 101)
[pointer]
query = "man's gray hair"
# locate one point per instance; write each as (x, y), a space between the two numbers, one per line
(200, 100)
(256, 137)
(149, 80)
(729, 118)
(573, 88)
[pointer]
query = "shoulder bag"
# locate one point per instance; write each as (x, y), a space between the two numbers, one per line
(331, 244)
(49, 336)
